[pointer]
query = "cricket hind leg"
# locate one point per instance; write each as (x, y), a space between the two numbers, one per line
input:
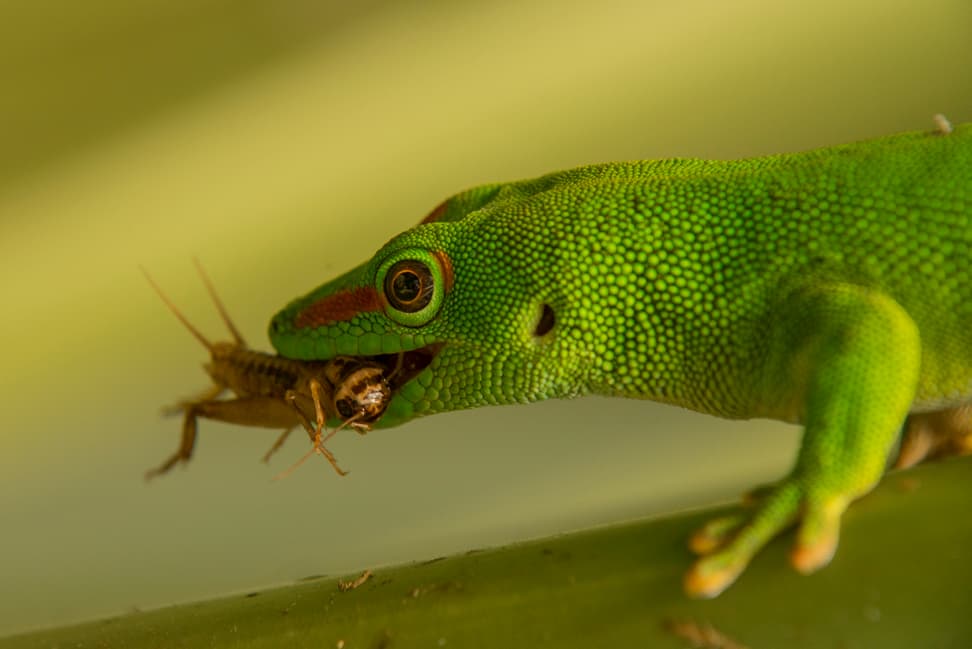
(187, 441)
(211, 393)
(260, 411)
(186, 407)
(932, 435)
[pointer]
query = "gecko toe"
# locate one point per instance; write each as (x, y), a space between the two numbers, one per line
(730, 542)
(711, 575)
(715, 534)
(818, 535)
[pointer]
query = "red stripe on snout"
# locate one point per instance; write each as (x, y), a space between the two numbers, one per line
(339, 307)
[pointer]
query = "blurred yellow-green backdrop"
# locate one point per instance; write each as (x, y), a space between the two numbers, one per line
(283, 142)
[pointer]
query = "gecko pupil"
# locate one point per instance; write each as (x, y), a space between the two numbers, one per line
(408, 286)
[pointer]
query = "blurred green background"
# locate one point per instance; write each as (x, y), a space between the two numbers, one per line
(283, 142)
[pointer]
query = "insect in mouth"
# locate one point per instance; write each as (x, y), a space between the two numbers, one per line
(275, 392)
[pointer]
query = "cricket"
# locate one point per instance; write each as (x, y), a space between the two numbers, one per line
(275, 392)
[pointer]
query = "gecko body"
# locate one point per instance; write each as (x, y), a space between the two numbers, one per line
(829, 288)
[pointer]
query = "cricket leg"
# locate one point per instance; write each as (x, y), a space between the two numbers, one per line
(277, 444)
(314, 430)
(186, 444)
(263, 412)
(209, 394)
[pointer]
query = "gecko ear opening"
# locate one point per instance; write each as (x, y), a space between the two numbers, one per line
(546, 321)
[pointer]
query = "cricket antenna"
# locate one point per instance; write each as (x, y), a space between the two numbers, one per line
(219, 304)
(172, 307)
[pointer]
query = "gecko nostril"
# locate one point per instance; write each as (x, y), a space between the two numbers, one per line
(546, 321)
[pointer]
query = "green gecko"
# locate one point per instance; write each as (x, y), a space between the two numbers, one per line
(830, 288)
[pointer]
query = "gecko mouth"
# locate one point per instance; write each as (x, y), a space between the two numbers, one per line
(402, 367)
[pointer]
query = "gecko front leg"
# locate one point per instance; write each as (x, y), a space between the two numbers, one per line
(855, 354)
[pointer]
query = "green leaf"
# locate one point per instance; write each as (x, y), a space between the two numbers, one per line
(901, 578)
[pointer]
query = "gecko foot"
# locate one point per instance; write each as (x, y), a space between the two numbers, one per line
(932, 435)
(719, 531)
(728, 544)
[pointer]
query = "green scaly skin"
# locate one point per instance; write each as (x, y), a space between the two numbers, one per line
(830, 288)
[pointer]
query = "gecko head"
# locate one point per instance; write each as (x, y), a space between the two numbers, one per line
(389, 310)
(454, 321)
(386, 310)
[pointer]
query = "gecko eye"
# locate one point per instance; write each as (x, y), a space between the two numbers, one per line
(409, 286)
(412, 284)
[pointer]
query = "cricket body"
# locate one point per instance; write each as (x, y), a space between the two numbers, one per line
(830, 288)
(276, 392)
